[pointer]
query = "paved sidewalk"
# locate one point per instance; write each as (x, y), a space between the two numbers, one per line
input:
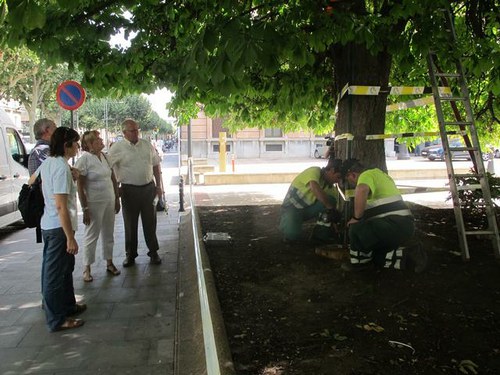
(130, 321)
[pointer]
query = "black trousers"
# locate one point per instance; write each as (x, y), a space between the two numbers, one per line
(138, 201)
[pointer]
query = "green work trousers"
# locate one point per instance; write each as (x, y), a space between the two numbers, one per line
(373, 238)
(293, 218)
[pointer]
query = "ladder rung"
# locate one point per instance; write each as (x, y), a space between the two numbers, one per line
(459, 123)
(463, 148)
(479, 232)
(450, 75)
(452, 98)
(470, 187)
(482, 206)
(469, 175)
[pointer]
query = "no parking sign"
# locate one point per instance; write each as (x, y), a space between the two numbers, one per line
(70, 95)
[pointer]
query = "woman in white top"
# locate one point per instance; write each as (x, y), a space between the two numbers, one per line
(100, 202)
(59, 223)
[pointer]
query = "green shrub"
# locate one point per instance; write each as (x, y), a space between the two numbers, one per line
(472, 200)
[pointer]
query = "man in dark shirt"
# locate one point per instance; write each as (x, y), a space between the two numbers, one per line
(43, 130)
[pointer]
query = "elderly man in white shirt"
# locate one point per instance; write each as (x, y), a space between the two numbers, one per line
(136, 163)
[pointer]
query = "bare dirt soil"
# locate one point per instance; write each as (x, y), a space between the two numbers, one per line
(290, 311)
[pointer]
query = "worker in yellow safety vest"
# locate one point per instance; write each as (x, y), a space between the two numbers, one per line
(312, 195)
(382, 226)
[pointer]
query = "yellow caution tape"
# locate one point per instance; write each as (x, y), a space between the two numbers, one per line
(372, 137)
(444, 91)
(406, 90)
(363, 90)
(343, 91)
(347, 136)
(410, 104)
(391, 90)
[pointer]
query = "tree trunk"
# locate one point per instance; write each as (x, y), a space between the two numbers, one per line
(361, 115)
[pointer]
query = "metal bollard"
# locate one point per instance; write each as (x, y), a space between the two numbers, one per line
(181, 195)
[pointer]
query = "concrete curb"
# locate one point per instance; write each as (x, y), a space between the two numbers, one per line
(190, 354)
(215, 178)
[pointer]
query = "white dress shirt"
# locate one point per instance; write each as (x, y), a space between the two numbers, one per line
(133, 163)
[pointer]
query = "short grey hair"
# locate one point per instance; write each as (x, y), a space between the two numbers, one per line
(127, 122)
(41, 127)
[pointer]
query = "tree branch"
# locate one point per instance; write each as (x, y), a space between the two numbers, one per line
(491, 100)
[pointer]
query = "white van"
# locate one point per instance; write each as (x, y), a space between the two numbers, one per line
(13, 170)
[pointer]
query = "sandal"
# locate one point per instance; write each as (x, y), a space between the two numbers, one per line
(87, 277)
(112, 270)
(70, 324)
(79, 308)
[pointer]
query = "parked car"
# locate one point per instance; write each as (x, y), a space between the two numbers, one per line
(437, 152)
(491, 151)
(425, 150)
(13, 170)
(168, 145)
(322, 149)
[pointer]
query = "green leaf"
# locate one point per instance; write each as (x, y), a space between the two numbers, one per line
(339, 337)
(227, 67)
(34, 16)
(250, 54)
(218, 74)
(227, 86)
(210, 39)
(268, 62)
(201, 57)
(68, 4)
(4, 11)
(235, 47)
(16, 14)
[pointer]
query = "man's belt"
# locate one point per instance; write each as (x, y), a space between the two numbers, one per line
(137, 186)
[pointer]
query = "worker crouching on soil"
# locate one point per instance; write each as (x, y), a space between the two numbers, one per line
(382, 227)
(312, 195)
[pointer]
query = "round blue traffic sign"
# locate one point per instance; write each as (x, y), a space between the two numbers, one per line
(70, 95)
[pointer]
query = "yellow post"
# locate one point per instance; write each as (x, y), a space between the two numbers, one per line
(222, 152)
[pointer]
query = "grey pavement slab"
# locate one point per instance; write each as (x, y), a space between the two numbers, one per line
(130, 321)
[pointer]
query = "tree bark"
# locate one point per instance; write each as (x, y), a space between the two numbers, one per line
(361, 115)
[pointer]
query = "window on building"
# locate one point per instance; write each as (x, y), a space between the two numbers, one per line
(274, 147)
(217, 128)
(273, 133)
(215, 147)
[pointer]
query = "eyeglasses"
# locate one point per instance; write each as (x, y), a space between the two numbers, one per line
(133, 130)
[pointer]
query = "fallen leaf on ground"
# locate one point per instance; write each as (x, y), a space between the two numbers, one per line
(373, 327)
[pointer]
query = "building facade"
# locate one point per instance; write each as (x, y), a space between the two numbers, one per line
(16, 112)
(248, 143)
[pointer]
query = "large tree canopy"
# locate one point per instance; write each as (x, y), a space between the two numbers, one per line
(282, 62)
